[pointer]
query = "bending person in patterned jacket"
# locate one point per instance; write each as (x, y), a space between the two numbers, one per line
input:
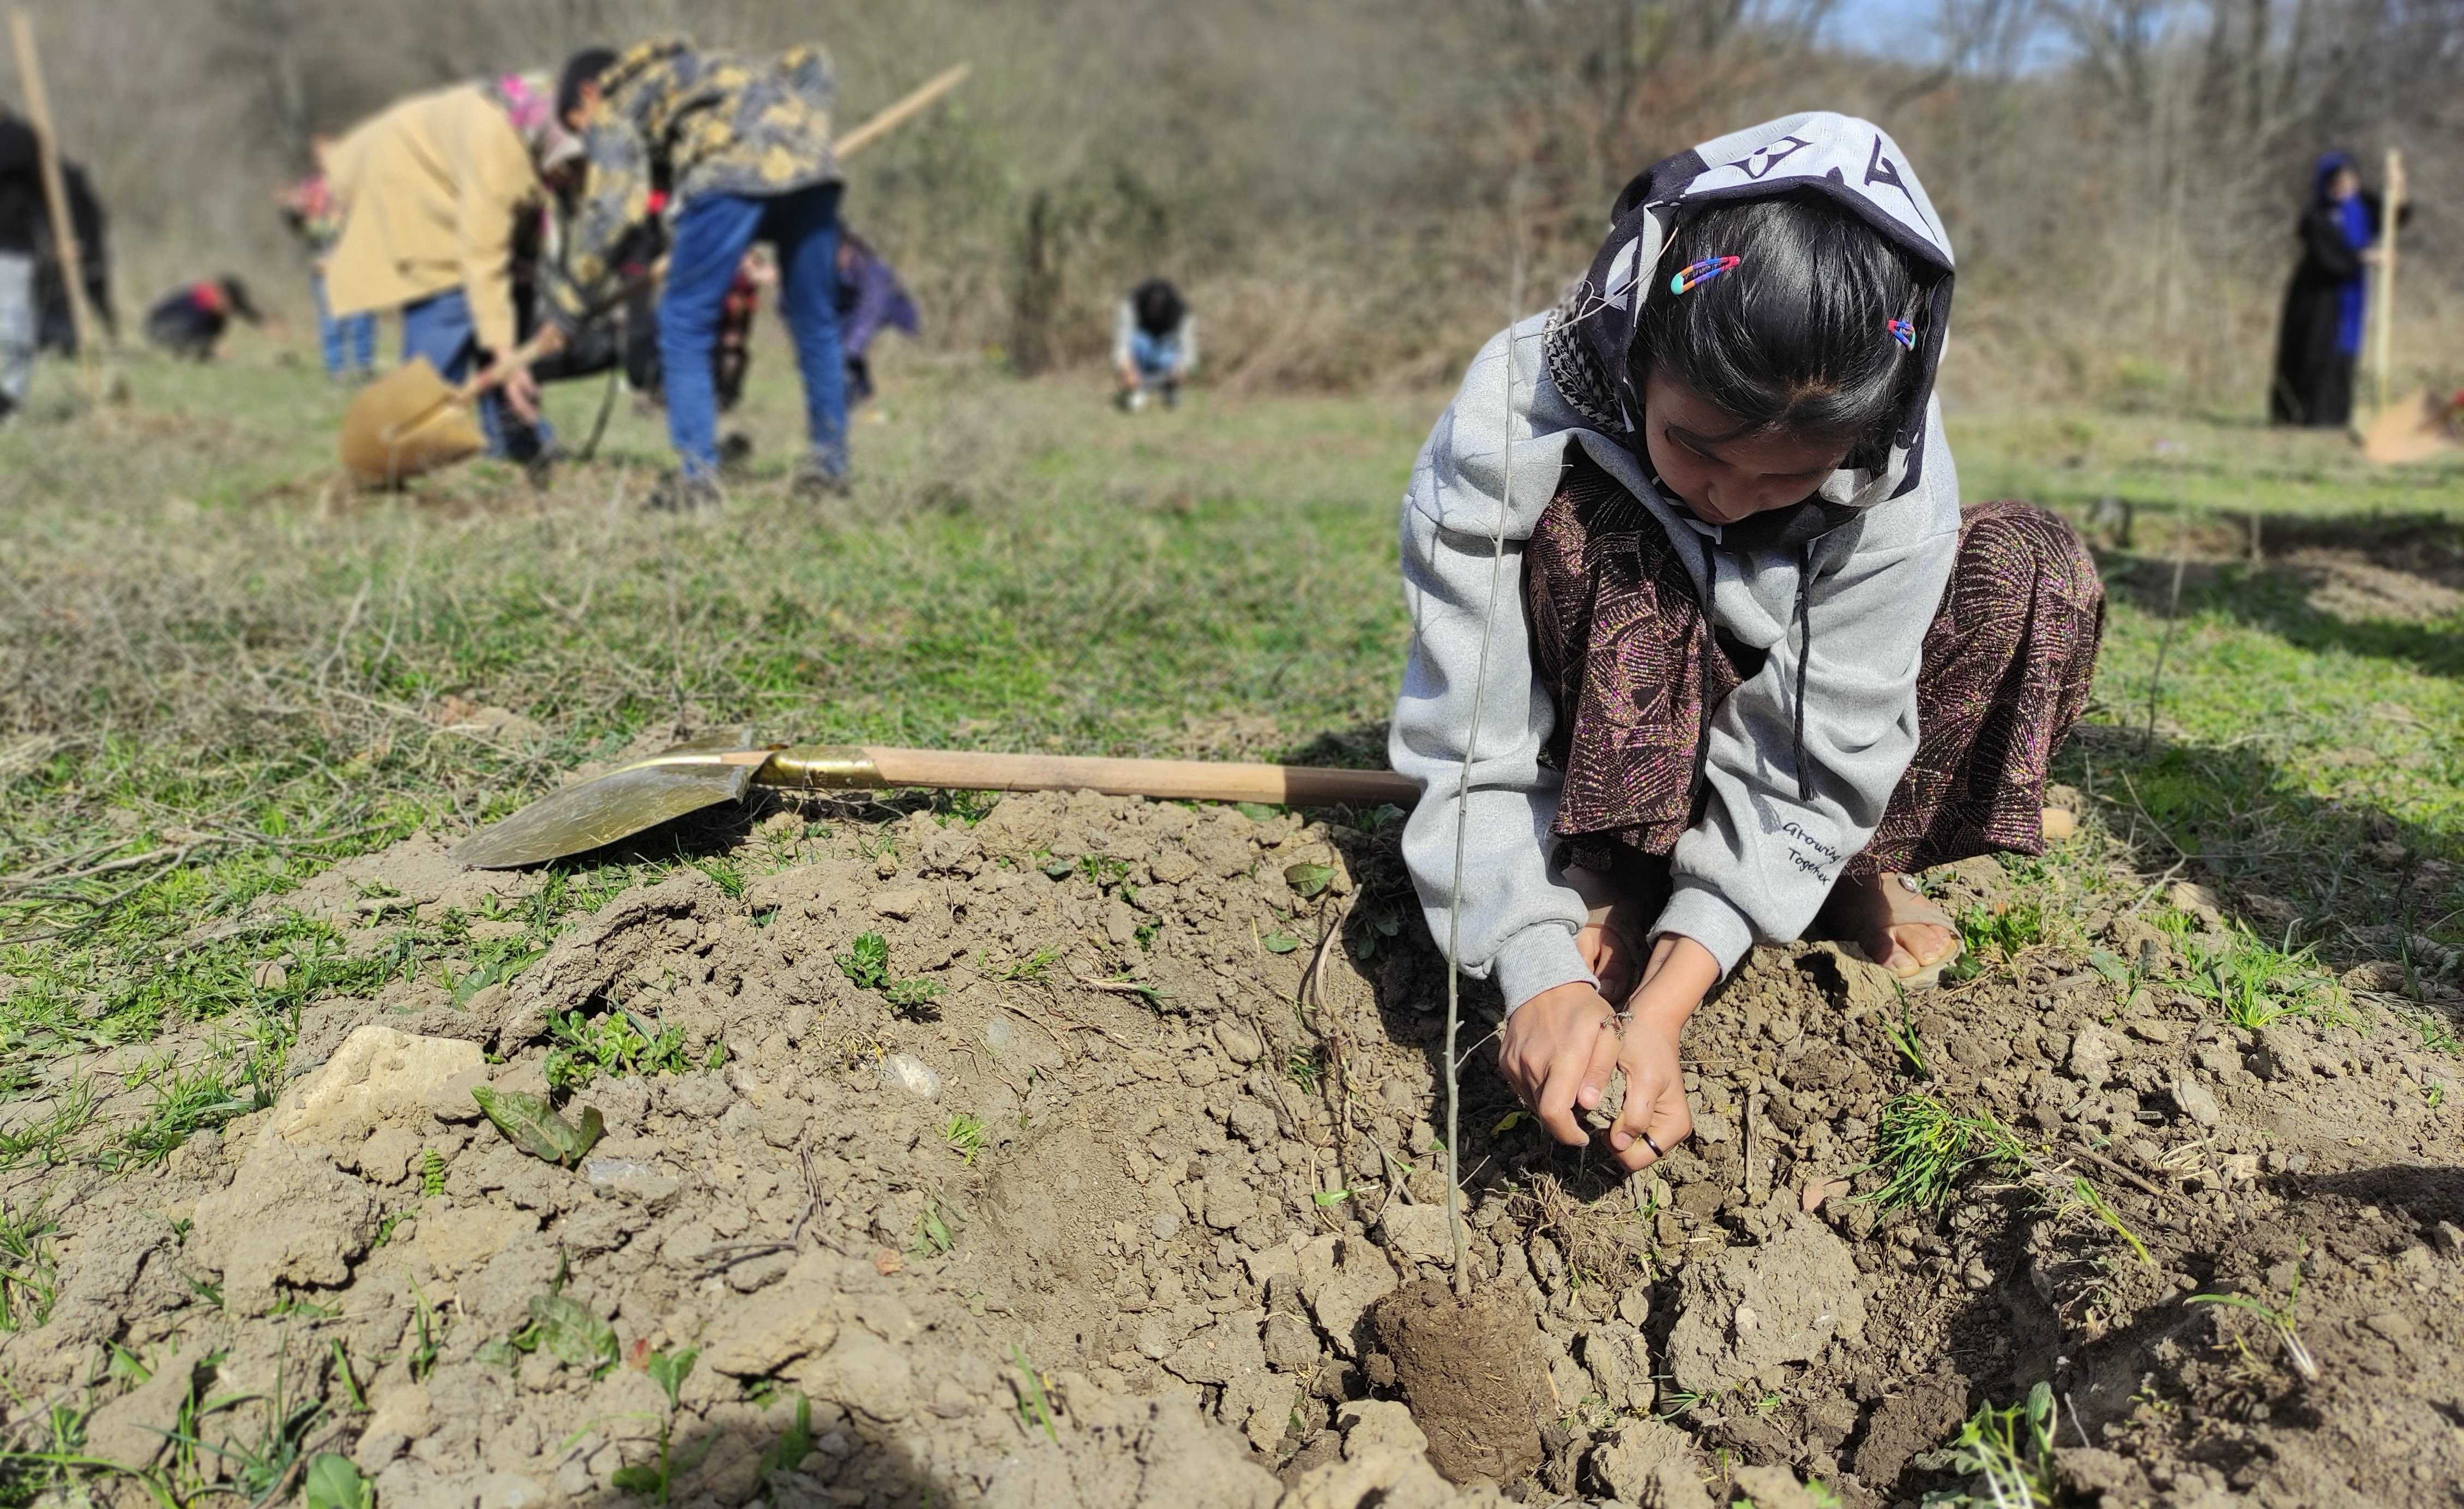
(742, 148)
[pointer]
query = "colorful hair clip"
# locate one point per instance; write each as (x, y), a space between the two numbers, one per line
(1904, 332)
(1701, 272)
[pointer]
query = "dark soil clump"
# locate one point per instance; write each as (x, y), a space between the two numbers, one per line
(1471, 1369)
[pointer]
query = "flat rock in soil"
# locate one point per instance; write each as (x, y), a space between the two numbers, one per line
(1748, 1311)
(287, 1218)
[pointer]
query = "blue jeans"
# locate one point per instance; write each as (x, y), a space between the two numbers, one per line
(713, 234)
(439, 328)
(1155, 356)
(350, 343)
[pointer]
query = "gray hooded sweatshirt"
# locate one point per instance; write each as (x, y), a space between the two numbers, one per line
(1802, 758)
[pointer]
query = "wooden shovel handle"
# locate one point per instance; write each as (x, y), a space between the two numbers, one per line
(875, 766)
(898, 113)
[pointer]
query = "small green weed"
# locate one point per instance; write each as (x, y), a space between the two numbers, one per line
(568, 1331)
(931, 1233)
(431, 1173)
(1903, 1038)
(1924, 1149)
(427, 1333)
(2279, 1317)
(334, 1482)
(1034, 1403)
(28, 1268)
(2086, 1195)
(616, 1044)
(867, 961)
(656, 1481)
(257, 1468)
(47, 1139)
(2253, 983)
(1033, 966)
(2008, 1454)
(866, 966)
(911, 997)
(965, 1135)
(795, 1443)
(725, 873)
(1306, 1068)
(1377, 931)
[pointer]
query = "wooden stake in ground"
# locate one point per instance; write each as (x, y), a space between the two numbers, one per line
(2383, 301)
(56, 194)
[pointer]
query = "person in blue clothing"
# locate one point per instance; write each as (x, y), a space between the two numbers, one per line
(870, 299)
(741, 147)
(1155, 346)
(2321, 334)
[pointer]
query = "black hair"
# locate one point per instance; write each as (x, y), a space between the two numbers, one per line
(583, 68)
(1797, 336)
(1158, 306)
(235, 295)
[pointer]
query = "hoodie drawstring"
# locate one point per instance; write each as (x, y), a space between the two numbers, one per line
(1804, 653)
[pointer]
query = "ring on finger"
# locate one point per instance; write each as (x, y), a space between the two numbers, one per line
(1655, 1147)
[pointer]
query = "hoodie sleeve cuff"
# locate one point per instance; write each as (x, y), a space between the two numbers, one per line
(1537, 959)
(1708, 919)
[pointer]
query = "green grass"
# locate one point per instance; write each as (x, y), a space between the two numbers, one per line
(1923, 1148)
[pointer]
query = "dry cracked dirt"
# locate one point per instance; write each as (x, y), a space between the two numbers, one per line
(1117, 1181)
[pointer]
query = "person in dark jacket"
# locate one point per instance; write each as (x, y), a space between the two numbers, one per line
(2321, 334)
(870, 299)
(33, 297)
(189, 322)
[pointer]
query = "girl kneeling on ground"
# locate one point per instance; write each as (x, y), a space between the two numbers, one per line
(1750, 662)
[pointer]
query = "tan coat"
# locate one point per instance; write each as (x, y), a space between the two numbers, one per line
(432, 188)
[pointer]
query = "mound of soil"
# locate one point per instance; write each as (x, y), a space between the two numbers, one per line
(1093, 1191)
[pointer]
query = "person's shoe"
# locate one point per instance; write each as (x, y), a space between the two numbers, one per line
(1171, 395)
(813, 482)
(678, 493)
(735, 453)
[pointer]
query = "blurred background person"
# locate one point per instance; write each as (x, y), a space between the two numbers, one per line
(314, 214)
(189, 322)
(1155, 344)
(2322, 333)
(435, 191)
(741, 146)
(870, 299)
(35, 312)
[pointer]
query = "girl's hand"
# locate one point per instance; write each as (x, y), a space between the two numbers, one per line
(1611, 955)
(1557, 1050)
(1681, 973)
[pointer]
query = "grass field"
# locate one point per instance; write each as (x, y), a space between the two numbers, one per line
(220, 670)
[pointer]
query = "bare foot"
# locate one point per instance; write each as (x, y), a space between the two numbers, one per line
(1894, 922)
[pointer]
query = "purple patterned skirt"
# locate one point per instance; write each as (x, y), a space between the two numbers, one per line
(1638, 672)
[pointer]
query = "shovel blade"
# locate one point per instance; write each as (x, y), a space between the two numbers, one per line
(590, 814)
(2414, 429)
(407, 423)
